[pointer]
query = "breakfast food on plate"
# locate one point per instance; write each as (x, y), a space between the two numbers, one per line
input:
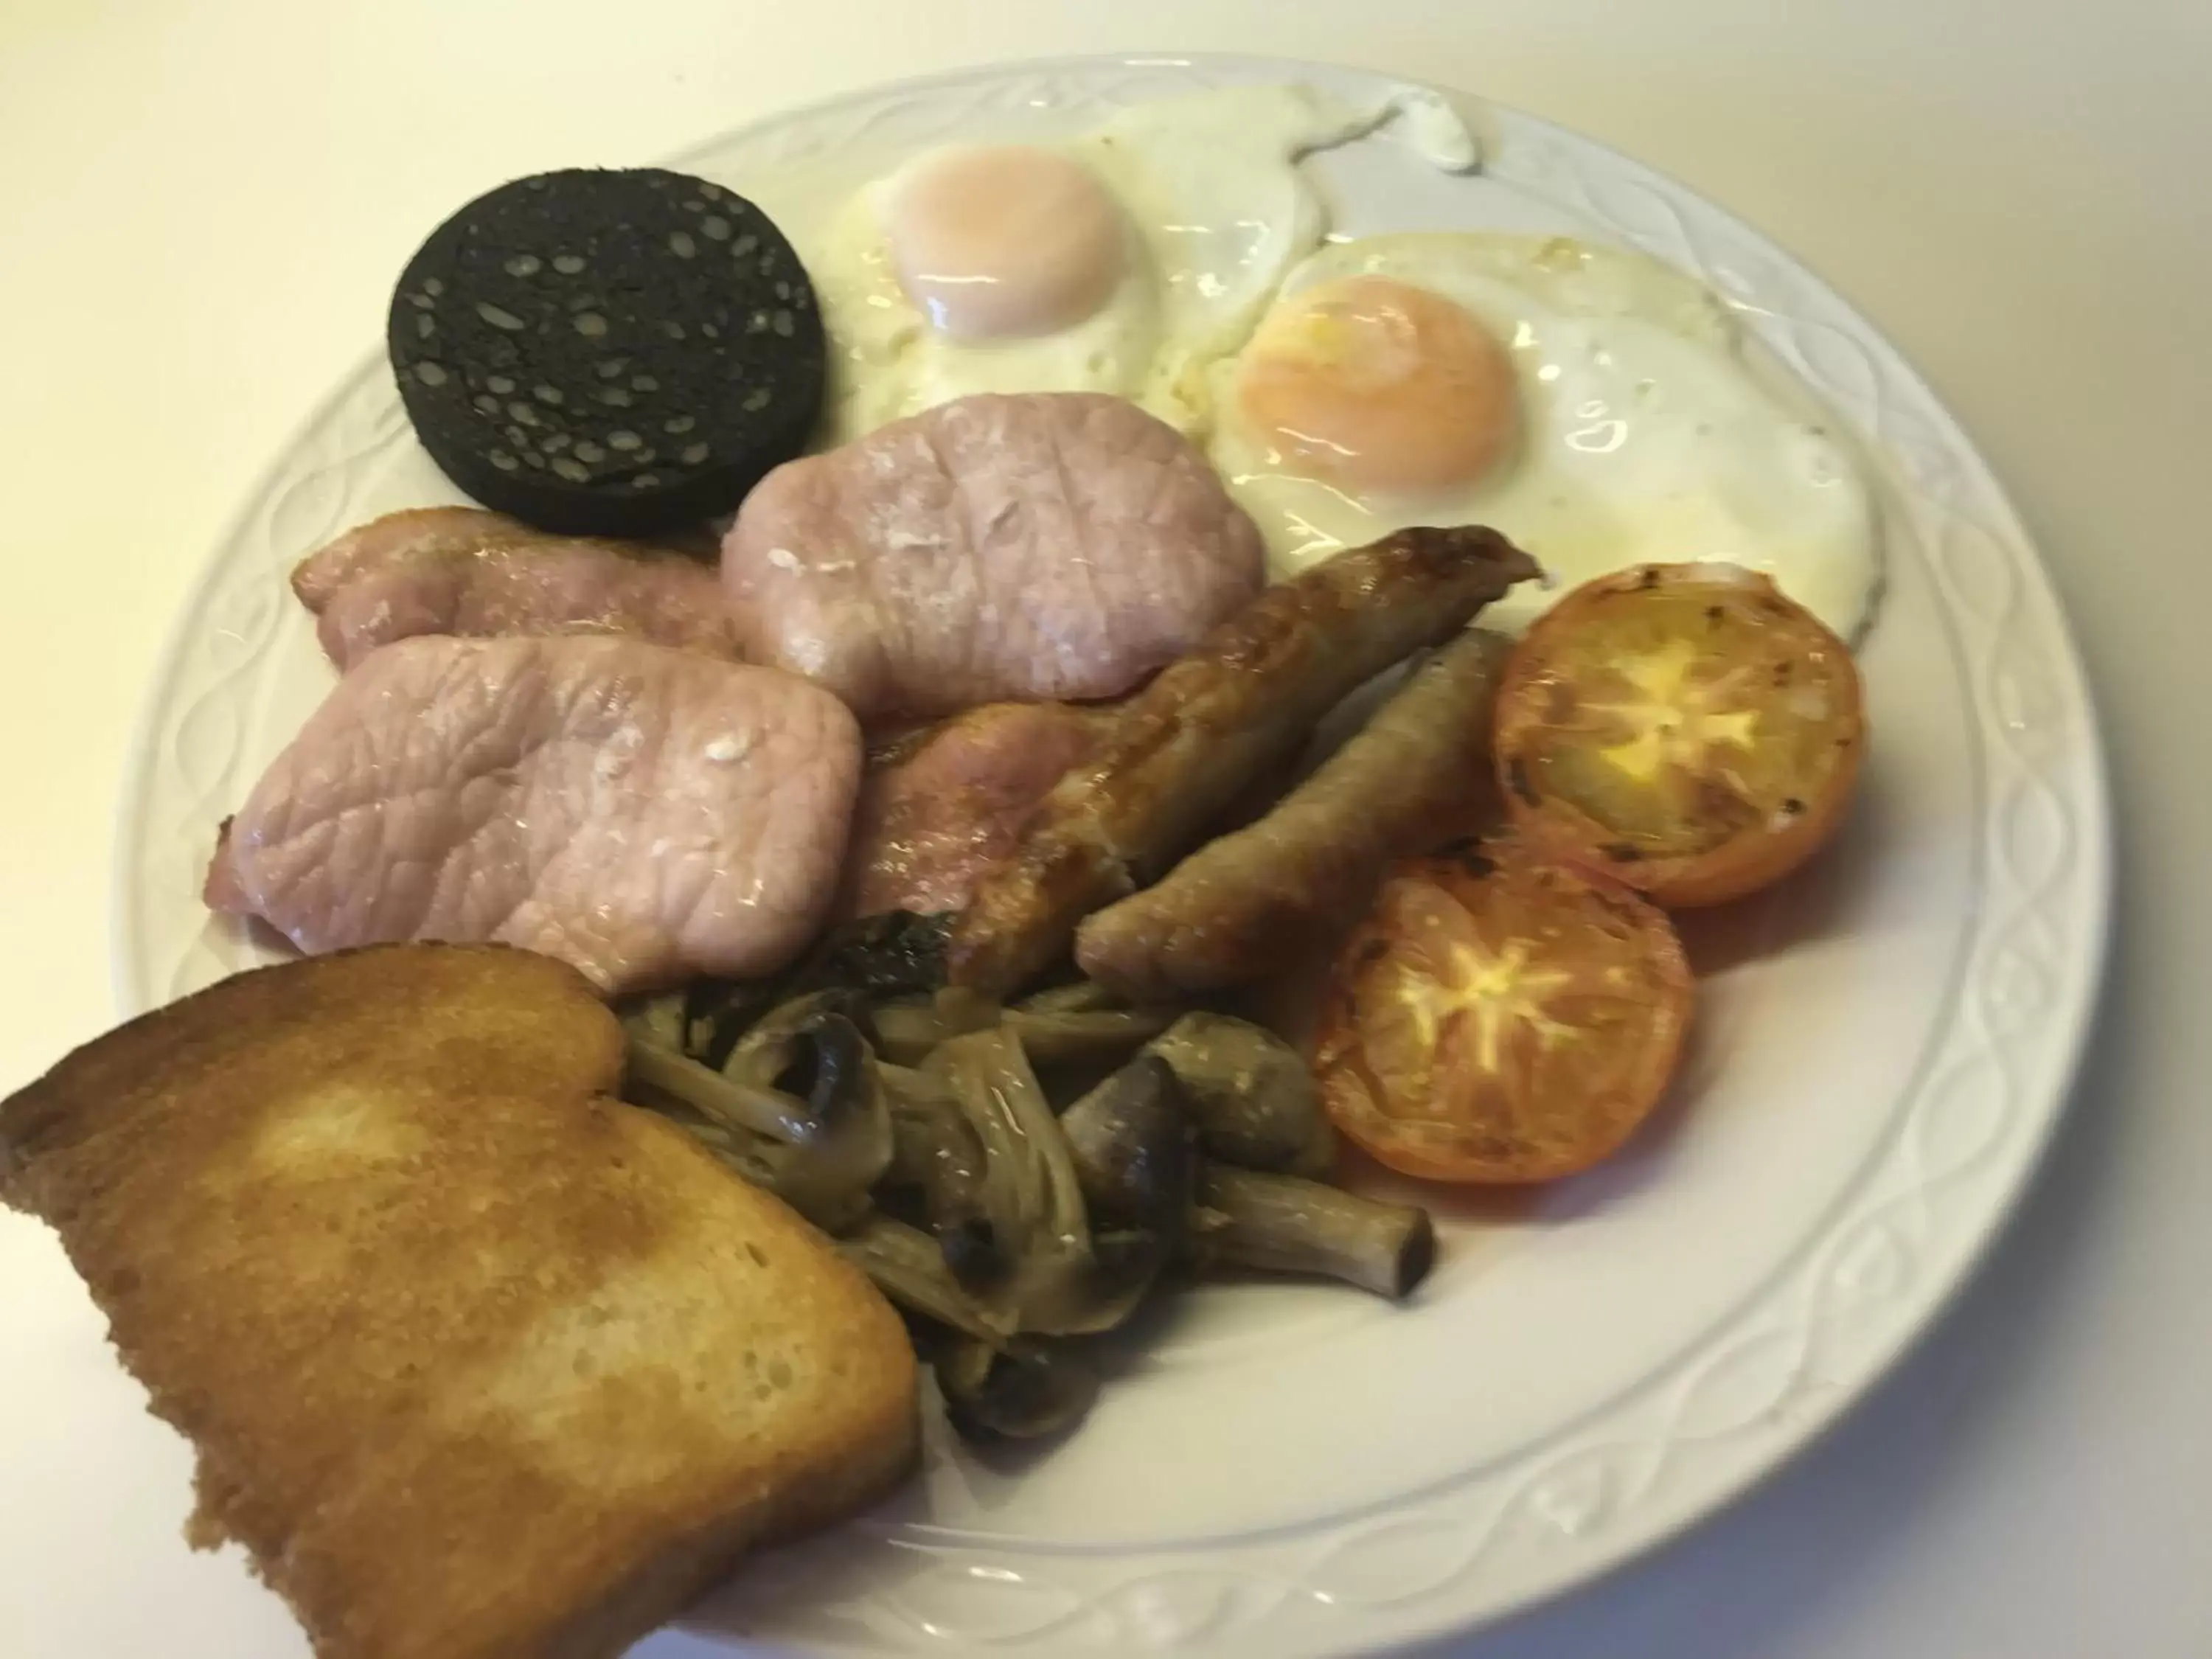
(1686, 727)
(482, 1361)
(1180, 750)
(608, 353)
(1013, 1177)
(946, 803)
(1250, 1093)
(1500, 1018)
(1126, 260)
(1241, 906)
(641, 813)
(1279, 1223)
(1048, 545)
(1592, 404)
(462, 570)
(395, 539)
(478, 1360)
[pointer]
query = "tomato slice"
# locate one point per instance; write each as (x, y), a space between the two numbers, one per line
(1501, 1017)
(1686, 727)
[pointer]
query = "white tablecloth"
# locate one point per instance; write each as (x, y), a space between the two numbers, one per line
(201, 207)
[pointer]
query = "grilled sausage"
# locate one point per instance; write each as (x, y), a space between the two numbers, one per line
(1239, 907)
(1179, 750)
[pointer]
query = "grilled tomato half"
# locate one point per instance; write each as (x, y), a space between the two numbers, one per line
(1501, 1017)
(1687, 728)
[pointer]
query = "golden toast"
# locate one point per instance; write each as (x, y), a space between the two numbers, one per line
(479, 1361)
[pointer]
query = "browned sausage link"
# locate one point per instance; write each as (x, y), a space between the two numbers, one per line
(1239, 907)
(1241, 700)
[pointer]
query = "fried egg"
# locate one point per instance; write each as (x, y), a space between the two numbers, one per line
(1127, 260)
(1591, 403)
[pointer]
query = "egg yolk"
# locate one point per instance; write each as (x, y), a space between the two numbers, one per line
(1003, 241)
(1377, 385)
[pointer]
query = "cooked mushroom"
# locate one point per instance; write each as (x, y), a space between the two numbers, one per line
(859, 1069)
(758, 1159)
(936, 1152)
(780, 1039)
(1254, 1100)
(1079, 996)
(1030, 1186)
(907, 1267)
(1123, 1267)
(1063, 1281)
(1286, 1224)
(718, 1011)
(1136, 1149)
(1086, 1036)
(657, 1019)
(1022, 1391)
(907, 1028)
(817, 1131)
(1076, 1034)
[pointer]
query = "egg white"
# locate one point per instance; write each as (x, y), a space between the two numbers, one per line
(1217, 210)
(1644, 436)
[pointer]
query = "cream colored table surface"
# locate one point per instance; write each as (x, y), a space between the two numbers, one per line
(201, 207)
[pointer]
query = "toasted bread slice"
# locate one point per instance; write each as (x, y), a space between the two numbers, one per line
(478, 1361)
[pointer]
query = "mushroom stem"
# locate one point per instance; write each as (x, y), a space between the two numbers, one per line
(1086, 1036)
(1283, 1224)
(1082, 996)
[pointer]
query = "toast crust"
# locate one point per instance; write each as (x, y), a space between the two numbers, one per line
(478, 1361)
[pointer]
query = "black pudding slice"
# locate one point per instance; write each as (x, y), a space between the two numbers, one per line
(608, 353)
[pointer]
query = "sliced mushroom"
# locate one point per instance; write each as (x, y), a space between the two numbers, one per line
(817, 1131)
(1124, 1265)
(1080, 996)
(1253, 1098)
(1030, 1186)
(1090, 1036)
(907, 1267)
(718, 1011)
(1283, 1224)
(936, 1152)
(1022, 1391)
(1062, 1281)
(780, 1039)
(1135, 1149)
(755, 1158)
(908, 1029)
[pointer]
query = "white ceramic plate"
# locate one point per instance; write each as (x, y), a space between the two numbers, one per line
(1285, 1469)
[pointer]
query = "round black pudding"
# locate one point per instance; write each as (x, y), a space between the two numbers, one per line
(608, 353)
